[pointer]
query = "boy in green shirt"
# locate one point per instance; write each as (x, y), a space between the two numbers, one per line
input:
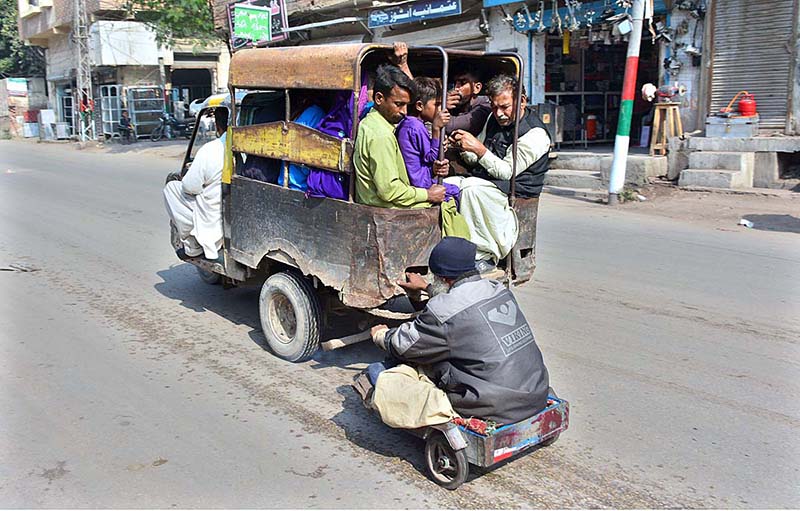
(381, 176)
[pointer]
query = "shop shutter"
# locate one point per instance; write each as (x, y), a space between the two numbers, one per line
(751, 52)
(476, 44)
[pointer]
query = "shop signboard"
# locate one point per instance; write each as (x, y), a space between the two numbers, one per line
(415, 11)
(598, 6)
(17, 87)
(256, 22)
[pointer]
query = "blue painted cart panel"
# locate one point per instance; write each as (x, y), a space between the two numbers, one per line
(504, 442)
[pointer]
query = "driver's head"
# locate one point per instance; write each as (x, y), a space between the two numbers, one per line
(450, 259)
(221, 120)
(502, 91)
(392, 93)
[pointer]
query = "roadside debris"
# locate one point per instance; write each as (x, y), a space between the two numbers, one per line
(20, 267)
(746, 223)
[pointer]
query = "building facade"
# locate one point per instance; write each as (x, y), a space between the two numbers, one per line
(129, 68)
(712, 49)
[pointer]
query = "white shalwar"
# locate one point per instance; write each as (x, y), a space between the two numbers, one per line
(195, 203)
(492, 222)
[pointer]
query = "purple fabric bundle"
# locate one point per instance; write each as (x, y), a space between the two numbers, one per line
(338, 123)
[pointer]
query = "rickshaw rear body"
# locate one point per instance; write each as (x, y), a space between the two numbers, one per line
(359, 251)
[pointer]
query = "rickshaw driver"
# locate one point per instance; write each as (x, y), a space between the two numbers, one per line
(475, 339)
(380, 172)
(194, 203)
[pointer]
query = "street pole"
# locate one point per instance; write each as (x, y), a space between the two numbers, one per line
(623, 139)
(83, 73)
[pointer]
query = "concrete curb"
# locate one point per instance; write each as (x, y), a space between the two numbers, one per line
(763, 192)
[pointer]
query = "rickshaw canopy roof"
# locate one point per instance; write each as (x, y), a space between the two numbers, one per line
(298, 67)
(331, 67)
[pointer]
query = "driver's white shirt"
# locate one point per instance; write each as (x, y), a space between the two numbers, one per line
(195, 202)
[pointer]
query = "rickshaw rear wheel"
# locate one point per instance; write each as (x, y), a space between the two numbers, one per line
(447, 467)
(290, 316)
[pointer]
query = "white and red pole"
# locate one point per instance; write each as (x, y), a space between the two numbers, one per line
(623, 139)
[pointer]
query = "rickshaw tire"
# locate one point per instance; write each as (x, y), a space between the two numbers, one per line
(307, 315)
(437, 441)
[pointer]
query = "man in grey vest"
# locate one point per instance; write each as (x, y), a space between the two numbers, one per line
(473, 339)
(484, 192)
(491, 149)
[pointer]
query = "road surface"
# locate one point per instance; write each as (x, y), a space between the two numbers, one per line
(127, 382)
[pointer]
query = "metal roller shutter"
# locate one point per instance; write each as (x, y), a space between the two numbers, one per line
(751, 52)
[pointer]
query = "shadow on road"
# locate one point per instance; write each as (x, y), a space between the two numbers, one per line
(239, 305)
(182, 283)
(775, 223)
(365, 429)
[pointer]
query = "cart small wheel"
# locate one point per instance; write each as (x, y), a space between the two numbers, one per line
(209, 277)
(290, 316)
(550, 441)
(448, 468)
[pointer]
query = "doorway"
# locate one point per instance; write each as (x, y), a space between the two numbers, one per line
(188, 85)
(584, 72)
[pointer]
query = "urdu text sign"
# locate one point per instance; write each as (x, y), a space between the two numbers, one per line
(253, 23)
(417, 11)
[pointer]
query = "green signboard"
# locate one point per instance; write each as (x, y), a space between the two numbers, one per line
(252, 23)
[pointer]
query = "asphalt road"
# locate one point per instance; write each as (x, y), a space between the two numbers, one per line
(127, 382)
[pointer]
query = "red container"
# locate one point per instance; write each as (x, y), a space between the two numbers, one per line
(747, 105)
(31, 115)
(591, 127)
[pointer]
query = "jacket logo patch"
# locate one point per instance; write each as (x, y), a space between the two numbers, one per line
(507, 323)
(505, 314)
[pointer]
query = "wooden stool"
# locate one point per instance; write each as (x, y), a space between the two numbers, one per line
(666, 124)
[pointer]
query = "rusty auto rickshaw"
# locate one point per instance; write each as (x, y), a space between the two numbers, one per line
(313, 254)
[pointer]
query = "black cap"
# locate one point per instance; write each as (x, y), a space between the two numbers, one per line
(452, 257)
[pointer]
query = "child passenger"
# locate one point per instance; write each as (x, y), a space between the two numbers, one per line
(419, 149)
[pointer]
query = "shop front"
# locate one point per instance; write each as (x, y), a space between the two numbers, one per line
(579, 50)
(583, 75)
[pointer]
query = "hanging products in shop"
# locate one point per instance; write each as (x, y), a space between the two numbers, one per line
(565, 44)
(672, 65)
(521, 19)
(573, 7)
(555, 23)
(589, 17)
(540, 16)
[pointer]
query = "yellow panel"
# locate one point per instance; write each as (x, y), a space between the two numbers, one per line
(294, 143)
(227, 166)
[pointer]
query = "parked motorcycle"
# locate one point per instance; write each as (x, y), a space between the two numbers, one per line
(170, 127)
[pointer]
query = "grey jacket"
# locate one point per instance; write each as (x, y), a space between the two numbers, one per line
(481, 348)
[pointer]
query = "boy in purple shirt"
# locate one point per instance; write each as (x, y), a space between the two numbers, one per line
(421, 151)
